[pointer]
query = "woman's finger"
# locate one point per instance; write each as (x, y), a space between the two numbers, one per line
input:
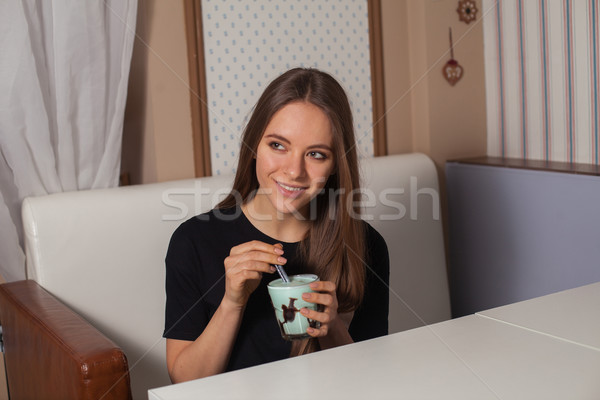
(318, 332)
(257, 245)
(245, 275)
(247, 254)
(250, 265)
(325, 299)
(322, 317)
(256, 255)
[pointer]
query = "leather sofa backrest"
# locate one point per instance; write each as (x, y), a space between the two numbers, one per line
(102, 252)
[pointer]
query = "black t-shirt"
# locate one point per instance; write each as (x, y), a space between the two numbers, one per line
(195, 285)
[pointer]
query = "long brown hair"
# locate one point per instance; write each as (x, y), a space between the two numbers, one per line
(334, 244)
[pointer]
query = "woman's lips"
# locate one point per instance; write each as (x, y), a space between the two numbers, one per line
(289, 190)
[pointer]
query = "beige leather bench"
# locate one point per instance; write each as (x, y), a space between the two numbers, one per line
(95, 261)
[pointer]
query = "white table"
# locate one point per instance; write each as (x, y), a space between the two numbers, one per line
(475, 357)
(572, 315)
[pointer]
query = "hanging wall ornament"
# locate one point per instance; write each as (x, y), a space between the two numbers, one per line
(467, 11)
(452, 70)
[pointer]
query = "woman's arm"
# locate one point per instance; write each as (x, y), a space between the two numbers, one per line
(209, 353)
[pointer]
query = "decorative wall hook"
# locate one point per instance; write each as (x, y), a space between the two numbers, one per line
(467, 11)
(452, 70)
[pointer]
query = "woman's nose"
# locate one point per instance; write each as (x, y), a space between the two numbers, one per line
(294, 166)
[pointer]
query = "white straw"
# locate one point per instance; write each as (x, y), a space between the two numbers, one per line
(281, 273)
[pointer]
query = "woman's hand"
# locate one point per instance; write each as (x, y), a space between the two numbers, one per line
(334, 327)
(244, 268)
(324, 294)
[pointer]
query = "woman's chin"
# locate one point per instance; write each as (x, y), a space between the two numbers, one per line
(289, 209)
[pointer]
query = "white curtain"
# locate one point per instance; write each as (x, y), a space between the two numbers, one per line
(64, 66)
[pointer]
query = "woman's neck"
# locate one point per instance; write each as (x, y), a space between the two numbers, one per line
(288, 228)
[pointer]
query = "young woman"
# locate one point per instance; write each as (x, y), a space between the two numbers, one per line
(293, 203)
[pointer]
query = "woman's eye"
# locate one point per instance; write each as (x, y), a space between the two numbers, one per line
(317, 155)
(276, 146)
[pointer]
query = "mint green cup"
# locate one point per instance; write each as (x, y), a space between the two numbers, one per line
(286, 298)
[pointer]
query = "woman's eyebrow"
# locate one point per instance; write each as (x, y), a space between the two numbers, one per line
(278, 137)
(321, 146)
(313, 146)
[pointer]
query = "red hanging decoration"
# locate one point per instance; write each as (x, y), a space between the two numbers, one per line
(452, 70)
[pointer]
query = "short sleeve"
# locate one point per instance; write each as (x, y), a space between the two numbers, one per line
(186, 314)
(371, 318)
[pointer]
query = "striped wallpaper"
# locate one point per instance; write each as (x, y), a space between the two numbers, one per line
(542, 79)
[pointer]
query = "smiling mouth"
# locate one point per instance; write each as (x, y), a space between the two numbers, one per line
(291, 188)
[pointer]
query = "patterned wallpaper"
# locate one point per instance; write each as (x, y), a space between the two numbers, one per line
(249, 43)
(542, 79)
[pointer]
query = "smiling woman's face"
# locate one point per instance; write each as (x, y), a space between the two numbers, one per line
(294, 159)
